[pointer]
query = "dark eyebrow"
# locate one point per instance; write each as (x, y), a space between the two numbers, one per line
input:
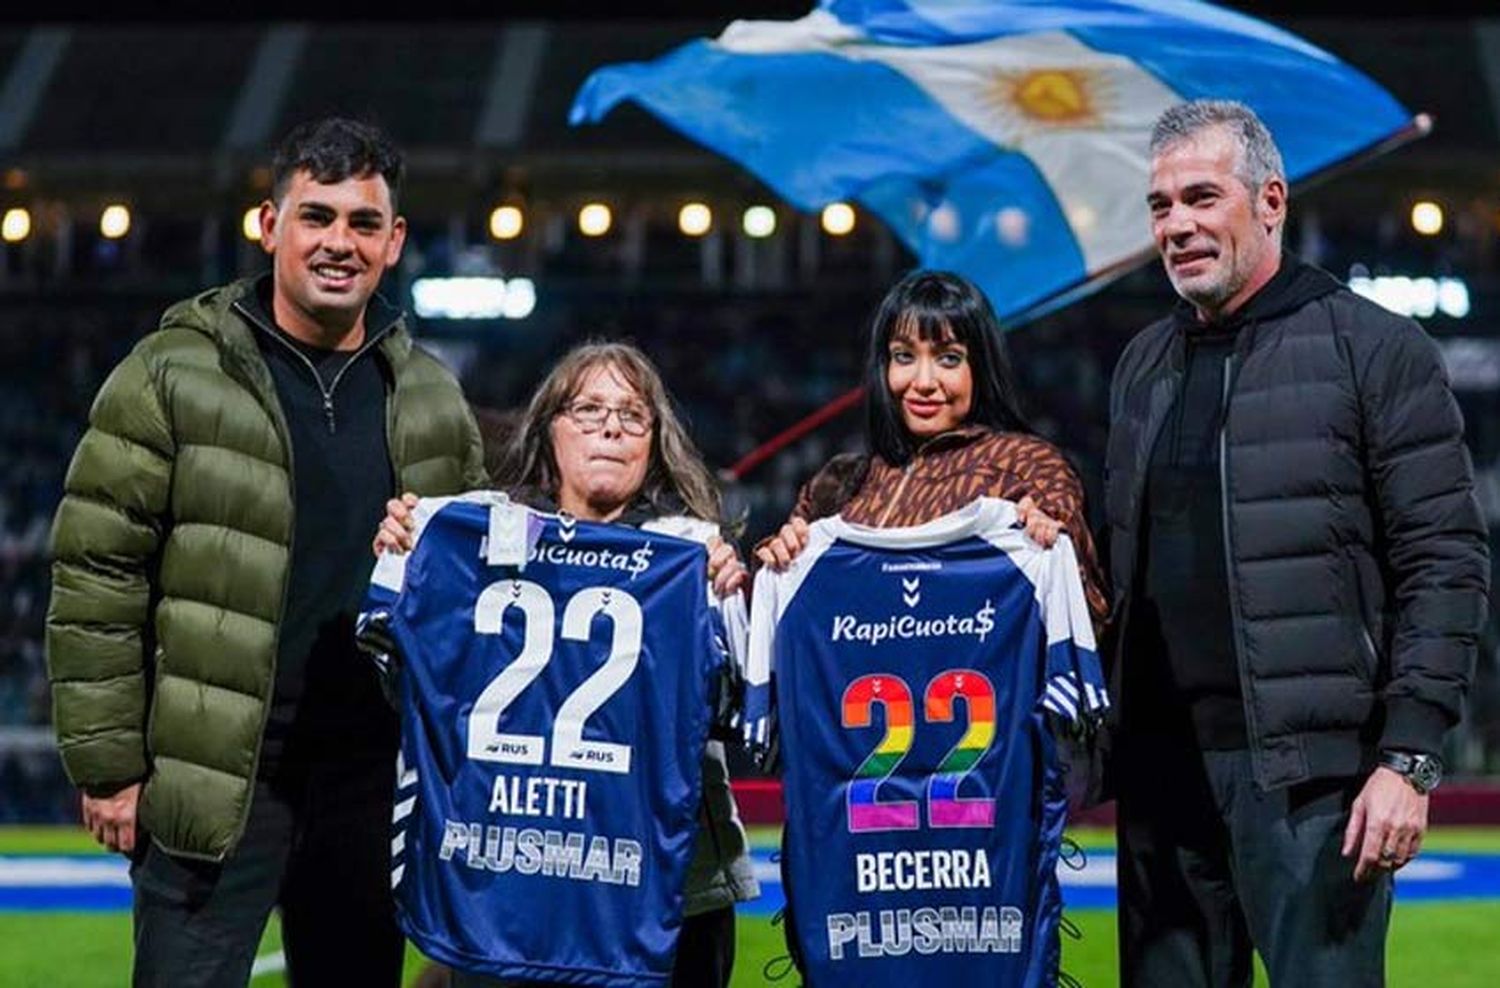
(1198, 187)
(1155, 196)
(364, 214)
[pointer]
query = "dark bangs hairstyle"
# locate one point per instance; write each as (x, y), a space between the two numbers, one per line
(939, 306)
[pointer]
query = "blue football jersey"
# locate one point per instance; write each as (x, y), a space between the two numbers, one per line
(555, 682)
(913, 670)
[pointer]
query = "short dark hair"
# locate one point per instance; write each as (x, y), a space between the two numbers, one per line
(333, 149)
(939, 305)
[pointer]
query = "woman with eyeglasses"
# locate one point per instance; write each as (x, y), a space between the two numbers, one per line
(600, 441)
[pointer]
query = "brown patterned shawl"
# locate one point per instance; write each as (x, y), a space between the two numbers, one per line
(947, 473)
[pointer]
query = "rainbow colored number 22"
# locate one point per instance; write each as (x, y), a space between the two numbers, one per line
(945, 808)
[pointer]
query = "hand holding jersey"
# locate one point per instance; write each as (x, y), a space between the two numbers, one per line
(557, 686)
(787, 544)
(918, 849)
(725, 570)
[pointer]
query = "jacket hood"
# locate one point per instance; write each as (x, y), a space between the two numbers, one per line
(1294, 285)
(213, 312)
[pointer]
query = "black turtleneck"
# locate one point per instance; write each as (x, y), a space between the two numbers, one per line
(1185, 580)
(1185, 584)
(1182, 615)
(327, 697)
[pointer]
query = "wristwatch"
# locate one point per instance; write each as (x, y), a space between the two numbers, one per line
(1424, 772)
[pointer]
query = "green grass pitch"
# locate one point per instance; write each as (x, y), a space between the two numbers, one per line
(1452, 944)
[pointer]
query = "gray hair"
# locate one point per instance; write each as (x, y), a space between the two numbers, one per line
(1259, 159)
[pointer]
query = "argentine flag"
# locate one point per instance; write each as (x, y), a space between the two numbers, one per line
(1003, 139)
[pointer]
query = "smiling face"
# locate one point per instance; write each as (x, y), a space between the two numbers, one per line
(1219, 240)
(600, 471)
(330, 243)
(931, 381)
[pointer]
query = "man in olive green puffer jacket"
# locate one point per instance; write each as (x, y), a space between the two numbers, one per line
(210, 553)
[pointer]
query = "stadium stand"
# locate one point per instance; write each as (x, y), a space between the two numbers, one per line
(751, 336)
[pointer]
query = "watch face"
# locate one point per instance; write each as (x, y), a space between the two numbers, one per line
(1426, 773)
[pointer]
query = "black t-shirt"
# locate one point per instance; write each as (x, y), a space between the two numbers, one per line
(1186, 585)
(327, 698)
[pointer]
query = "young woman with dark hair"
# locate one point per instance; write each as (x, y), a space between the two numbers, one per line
(944, 425)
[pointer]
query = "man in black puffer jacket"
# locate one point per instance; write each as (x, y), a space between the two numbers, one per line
(1300, 573)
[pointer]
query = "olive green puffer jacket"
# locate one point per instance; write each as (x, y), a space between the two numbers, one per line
(171, 552)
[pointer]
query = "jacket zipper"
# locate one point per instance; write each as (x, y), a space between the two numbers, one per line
(318, 380)
(1235, 625)
(278, 421)
(906, 473)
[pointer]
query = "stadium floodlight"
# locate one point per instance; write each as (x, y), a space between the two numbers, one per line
(759, 221)
(16, 225)
(594, 219)
(694, 219)
(506, 222)
(473, 298)
(520, 298)
(1419, 297)
(838, 219)
(1427, 218)
(1453, 297)
(250, 224)
(114, 222)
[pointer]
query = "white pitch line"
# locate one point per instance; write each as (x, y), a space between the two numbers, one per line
(1099, 872)
(268, 964)
(34, 871)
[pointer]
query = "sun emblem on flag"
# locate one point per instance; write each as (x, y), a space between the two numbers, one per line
(1049, 98)
(1054, 95)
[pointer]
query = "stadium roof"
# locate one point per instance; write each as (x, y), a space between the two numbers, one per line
(186, 112)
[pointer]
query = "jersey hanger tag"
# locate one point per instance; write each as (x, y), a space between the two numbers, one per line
(509, 539)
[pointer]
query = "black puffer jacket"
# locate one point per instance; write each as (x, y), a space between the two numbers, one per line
(1356, 551)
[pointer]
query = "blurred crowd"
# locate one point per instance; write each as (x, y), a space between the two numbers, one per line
(743, 368)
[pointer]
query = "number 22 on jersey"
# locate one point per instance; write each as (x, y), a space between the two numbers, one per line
(945, 808)
(487, 743)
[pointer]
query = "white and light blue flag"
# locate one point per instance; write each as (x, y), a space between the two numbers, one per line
(1003, 139)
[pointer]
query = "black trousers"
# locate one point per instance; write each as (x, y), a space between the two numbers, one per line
(317, 844)
(1211, 867)
(705, 956)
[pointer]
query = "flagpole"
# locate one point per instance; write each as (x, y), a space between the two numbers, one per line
(1419, 127)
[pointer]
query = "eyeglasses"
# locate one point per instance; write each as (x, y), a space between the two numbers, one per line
(590, 416)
